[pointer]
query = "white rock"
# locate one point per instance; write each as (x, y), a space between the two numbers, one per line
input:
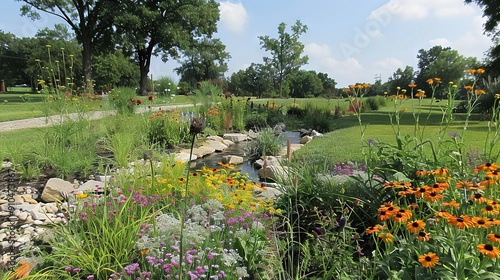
(184, 157)
(23, 216)
(216, 145)
(236, 137)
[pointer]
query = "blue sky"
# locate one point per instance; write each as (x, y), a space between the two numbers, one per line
(353, 41)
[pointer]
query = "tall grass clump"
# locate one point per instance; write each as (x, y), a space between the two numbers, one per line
(267, 143)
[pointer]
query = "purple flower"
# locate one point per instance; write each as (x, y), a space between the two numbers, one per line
(371, 142)
(454, 135)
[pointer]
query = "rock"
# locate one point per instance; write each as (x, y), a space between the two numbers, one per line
(269, 191)
(273, 172)
(184, 157)
(29, 199)
(314, 133)
(104, 178)
(202, 151)
(216, 145)
(236, 137)
(252, 134)
(91, 186)
(279, 128)
(306, 139)
(227, 142)
(54, 187)
(231, 159)
(23, 216)
(215, 138)
(270, 160)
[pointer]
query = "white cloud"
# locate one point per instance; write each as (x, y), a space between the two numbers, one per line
(347, 71)
(471, 43)
(440, 42)
(387, 66)
(415, 10)
(233, 16)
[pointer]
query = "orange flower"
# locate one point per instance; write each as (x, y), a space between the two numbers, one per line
(402, 216)
(388, 237)
(144, 252)
(490, 210)
(421, 172)
(423, 236)
(471, 71)
(415, 226)
(421, 191)
(452, 203)
(480, 222)
(384, 215)
(480, 70)
(374, 229)
(444, 214)
(22, 271)
(428, 260)
(442, 171)
(489, 250)
(493, 237)
(487, 167)
(412, 85)
(480, 92)
(462, 221)
(430, 81)
(479, 198)
(433, 196)
(468, 88)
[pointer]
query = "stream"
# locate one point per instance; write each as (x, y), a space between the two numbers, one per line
(239, 149)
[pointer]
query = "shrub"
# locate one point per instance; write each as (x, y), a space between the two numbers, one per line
(167, 129)
(295, 111)
(255, 120)
(165, 86)
(123, 100)
(373, 103)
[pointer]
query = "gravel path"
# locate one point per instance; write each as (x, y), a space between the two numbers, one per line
(53, 120)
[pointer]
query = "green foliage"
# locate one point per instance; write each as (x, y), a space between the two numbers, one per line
(256, 80)
(304, 84)
(373, 103)
(184, 21)
(114, 69)
(166, 129)
(268, 143)
(102, 229)
(123, 100)
(165, 86)
(205, 60)
(286, 52)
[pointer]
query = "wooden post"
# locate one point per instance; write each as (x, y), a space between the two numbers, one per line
(2, 86)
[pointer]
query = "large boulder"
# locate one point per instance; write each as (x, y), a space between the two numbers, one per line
(231, 159)
(56, 187)
(236, 137)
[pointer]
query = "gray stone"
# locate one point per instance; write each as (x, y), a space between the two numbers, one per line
(215, 138)
(104, 178)
(184, 157)
(216, 145)
(54, 187)
(227, 142)
(232, 159)
(91, 185)
(273, 172)
(203, 151)
(236, 137)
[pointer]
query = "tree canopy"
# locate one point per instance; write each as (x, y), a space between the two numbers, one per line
(89, 20)
(158, 27)
(286, 52)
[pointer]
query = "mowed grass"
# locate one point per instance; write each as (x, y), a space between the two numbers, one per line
(346, 142)
(22, 104)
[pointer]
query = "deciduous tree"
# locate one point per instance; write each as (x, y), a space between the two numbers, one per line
(159, 27)
(286, 52)
(205, 60)
(90, 20)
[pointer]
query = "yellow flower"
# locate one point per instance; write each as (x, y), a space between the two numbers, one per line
(428, 260)
(387, 237)
(81, 195)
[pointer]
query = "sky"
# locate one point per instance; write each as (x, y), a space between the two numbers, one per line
(352, 41)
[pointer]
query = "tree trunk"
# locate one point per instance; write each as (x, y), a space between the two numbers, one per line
(87, 63)
(144, 64)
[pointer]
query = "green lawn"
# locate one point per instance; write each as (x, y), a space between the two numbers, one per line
(23, 105)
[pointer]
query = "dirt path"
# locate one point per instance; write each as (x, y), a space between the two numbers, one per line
(53, 120)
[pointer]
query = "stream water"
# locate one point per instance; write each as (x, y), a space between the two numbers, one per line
(239, 149)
